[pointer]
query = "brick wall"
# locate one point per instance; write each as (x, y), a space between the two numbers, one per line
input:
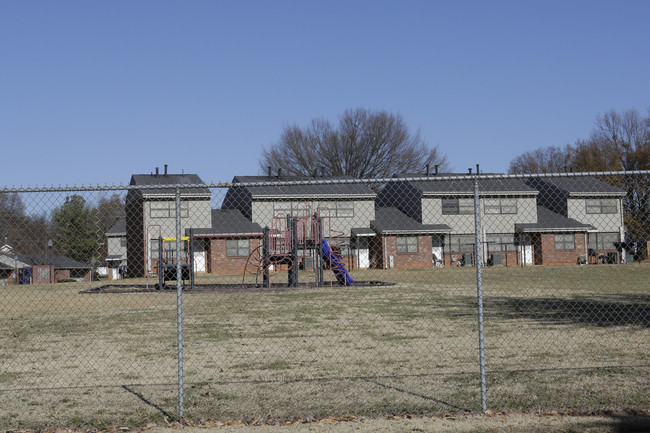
(220, 263)
(546, 254)
(419, 260)
(36, 280)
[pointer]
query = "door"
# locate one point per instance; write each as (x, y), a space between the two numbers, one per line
(363, 254)
(437, 250)
(525, 250)
(199, 261)
(198, 256)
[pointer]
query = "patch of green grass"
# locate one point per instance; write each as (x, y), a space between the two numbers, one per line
(276, 365)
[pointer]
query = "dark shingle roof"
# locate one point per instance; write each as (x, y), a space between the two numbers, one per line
(549, 221)
(390, 220)
(433, 186)
(118, 229)
(576, 186)
(362, 231)
(58, 261)
(169, 179)
(229, 222)
(284, 189)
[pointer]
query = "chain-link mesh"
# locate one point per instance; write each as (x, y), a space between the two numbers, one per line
(323, 296)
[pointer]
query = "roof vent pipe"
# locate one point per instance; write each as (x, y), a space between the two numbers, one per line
(165, 169)
(279, 172)
(268, 170)
(477, 172)
(427, 170)
(156, 171)
(435, 167)
(322, 171)
(469, 170)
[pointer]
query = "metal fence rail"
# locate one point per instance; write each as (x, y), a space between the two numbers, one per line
(287, 297)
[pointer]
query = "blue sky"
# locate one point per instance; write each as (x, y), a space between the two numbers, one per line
(91, 92)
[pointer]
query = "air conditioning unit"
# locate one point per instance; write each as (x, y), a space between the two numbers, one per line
(468, 259)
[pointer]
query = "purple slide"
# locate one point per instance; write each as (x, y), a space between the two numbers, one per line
(336, 265)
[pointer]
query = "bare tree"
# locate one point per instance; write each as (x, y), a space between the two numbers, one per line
(109, 211)
(364, 144)
(619, 141)
(551, 159)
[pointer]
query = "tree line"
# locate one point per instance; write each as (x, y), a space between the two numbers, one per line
(620, 141)
(75, 229)
(363, 144)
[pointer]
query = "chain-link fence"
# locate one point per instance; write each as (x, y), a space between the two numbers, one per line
(305, 297)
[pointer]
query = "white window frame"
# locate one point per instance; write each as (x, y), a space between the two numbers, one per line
(240, 249)
(494, 206)
(406, 244)
(599, 206)
(562, 240)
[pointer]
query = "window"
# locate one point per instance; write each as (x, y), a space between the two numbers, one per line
(237, 247)
(565, 242)
(457, 206)
(339, 209)
(167, 209)
(600, 206)
(153, 249)
(500, 205)
(407, 244)
(603, 241)
(170, 250)
(345, 209)
(123, 242)
(43, 273)
(282, 208)
(500, 242)
(462, 243)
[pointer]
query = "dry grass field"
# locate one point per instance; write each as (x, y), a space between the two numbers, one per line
(557, 338)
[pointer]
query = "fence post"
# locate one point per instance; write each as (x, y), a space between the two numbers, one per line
(179, 308)
(479, 291)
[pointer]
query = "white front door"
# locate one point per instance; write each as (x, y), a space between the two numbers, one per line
(436, 251)
(199, 261)
(363, 254)
(525, 250)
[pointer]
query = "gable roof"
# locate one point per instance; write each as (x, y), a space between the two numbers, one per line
(305, 186)
(58, 261)
(432, 186)
(549, 221)
(575, 186)
(390, 220)
(229, 222)
(149, 180)
(118, 229)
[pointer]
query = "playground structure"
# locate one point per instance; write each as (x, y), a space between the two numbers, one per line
(166, 269)
(298, 241)
(305, 241)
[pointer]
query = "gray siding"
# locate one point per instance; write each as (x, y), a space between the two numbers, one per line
(199, 216)
(490, 223)
(577, 209)
(364, 211)
(115, 248)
